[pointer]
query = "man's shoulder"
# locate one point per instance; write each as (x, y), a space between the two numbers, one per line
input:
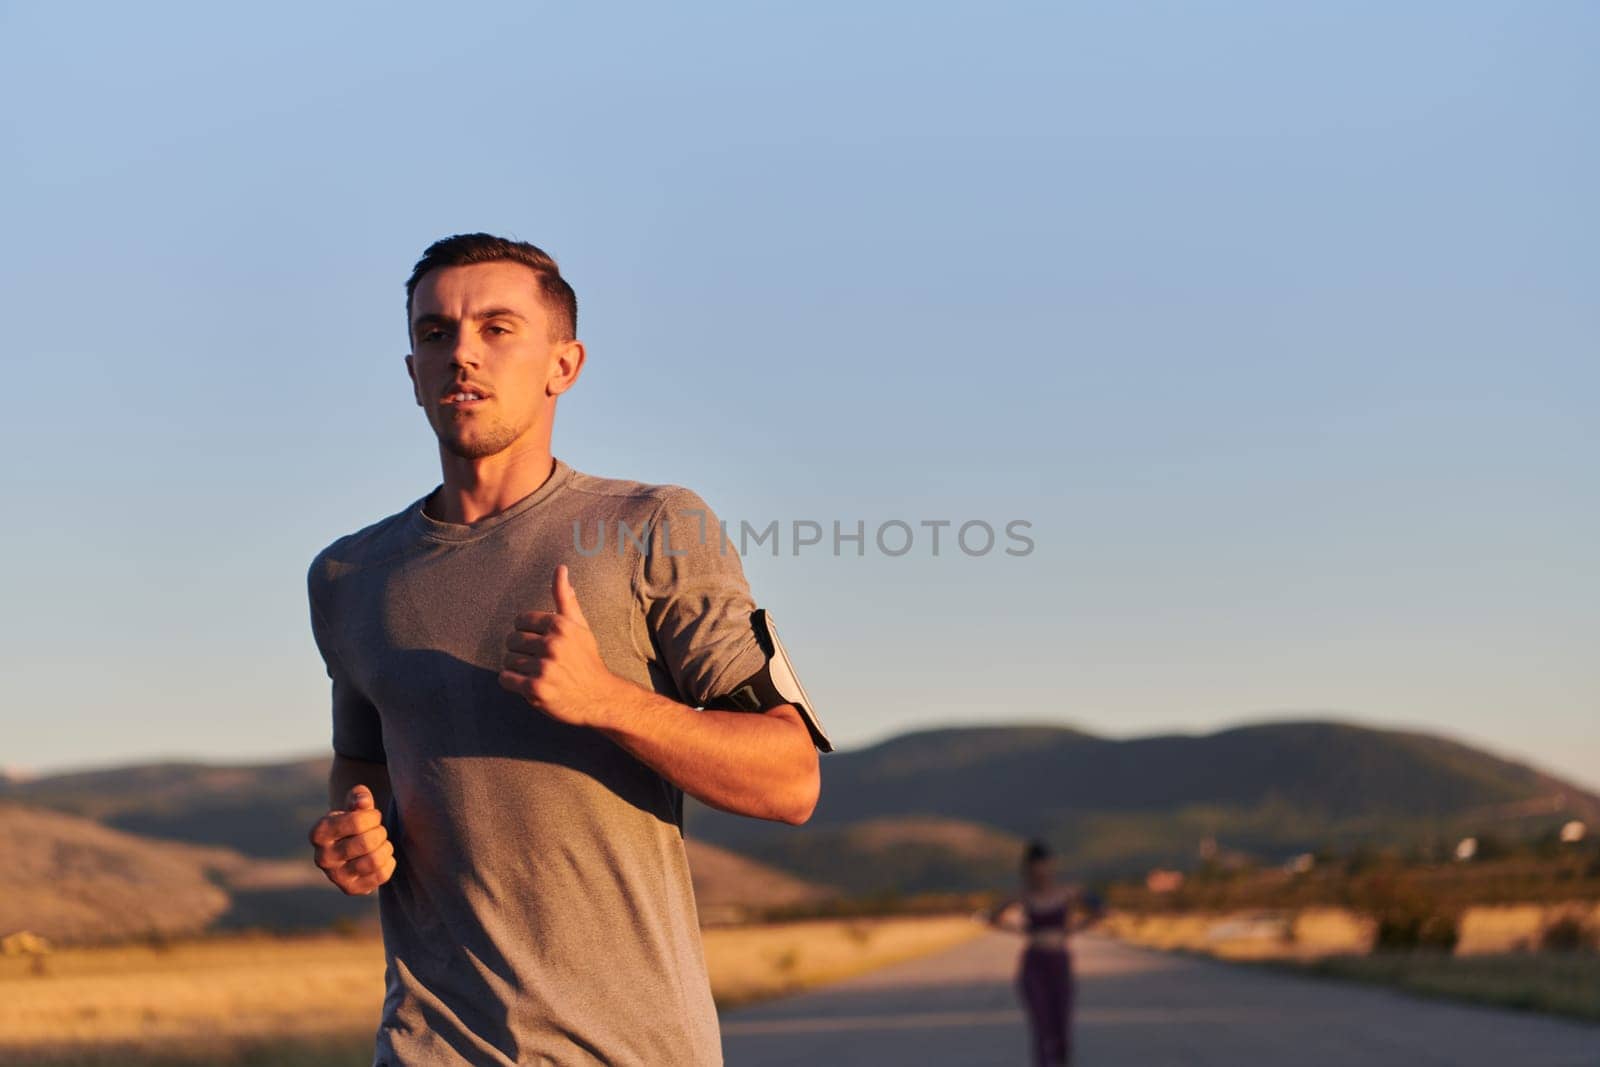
(631, 495)
(373, 544)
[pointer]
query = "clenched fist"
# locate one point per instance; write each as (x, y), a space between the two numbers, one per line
(553, 661)
(352, 846)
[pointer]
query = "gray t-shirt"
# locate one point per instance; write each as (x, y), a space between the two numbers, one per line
(540, 910)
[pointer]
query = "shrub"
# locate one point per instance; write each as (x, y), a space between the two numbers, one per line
(1569, 933)
(1418, 927)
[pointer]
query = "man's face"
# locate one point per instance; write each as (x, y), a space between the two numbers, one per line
(482, 366)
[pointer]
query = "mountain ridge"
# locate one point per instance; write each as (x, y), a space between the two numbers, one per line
(946, 807)
(1119, 806)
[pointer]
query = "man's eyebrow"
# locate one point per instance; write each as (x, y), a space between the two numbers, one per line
(434, 318)
(499, 313)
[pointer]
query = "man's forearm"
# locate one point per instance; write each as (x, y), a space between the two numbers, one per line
(762, 764)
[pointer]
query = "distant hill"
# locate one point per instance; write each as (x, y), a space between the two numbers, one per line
(949, 809)
(1119, 806)
(261, 810)
(729, 887)
(905, 854)
(71, 878)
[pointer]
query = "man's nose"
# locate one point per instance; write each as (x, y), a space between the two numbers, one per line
(467, 351)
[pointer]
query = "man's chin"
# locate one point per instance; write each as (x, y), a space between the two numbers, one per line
(476, 446)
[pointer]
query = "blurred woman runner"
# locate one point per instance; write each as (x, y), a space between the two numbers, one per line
(1044, 913)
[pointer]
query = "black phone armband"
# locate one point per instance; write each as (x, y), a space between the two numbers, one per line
(774, 684)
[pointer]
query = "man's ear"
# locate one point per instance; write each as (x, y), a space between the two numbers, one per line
(566, 363)
(416, 393)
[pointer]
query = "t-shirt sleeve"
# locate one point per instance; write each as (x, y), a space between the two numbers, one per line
(357, 729)
(697, 604)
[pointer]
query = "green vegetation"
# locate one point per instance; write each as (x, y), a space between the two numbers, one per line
(1562, 983)
(1414, 896)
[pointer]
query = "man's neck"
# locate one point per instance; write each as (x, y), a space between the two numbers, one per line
(475, 489)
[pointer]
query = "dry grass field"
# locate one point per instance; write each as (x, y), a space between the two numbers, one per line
(314, 1001)
(1247, 935)
(755, 962)
(1312, 933)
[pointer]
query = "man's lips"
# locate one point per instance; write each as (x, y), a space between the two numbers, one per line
(466, 397)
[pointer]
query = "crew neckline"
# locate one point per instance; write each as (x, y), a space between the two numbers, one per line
(438, 530)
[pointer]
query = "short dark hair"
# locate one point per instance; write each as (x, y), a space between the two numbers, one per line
(465, 249)
(1037, 850)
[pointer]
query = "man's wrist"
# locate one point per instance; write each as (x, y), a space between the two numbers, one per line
(615, 705)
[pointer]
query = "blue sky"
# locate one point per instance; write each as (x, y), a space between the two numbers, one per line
(1277, 324)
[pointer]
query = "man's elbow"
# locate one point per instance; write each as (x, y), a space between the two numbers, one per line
(789, 795)
(807, 786)
(804, 801)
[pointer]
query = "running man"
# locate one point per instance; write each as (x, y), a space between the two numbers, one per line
(530, 666)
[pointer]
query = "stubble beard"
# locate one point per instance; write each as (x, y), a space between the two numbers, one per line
(488, 441)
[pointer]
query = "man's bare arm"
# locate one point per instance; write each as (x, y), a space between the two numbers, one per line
(758, 764)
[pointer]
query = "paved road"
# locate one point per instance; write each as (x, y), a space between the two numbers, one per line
(1139, 1008)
